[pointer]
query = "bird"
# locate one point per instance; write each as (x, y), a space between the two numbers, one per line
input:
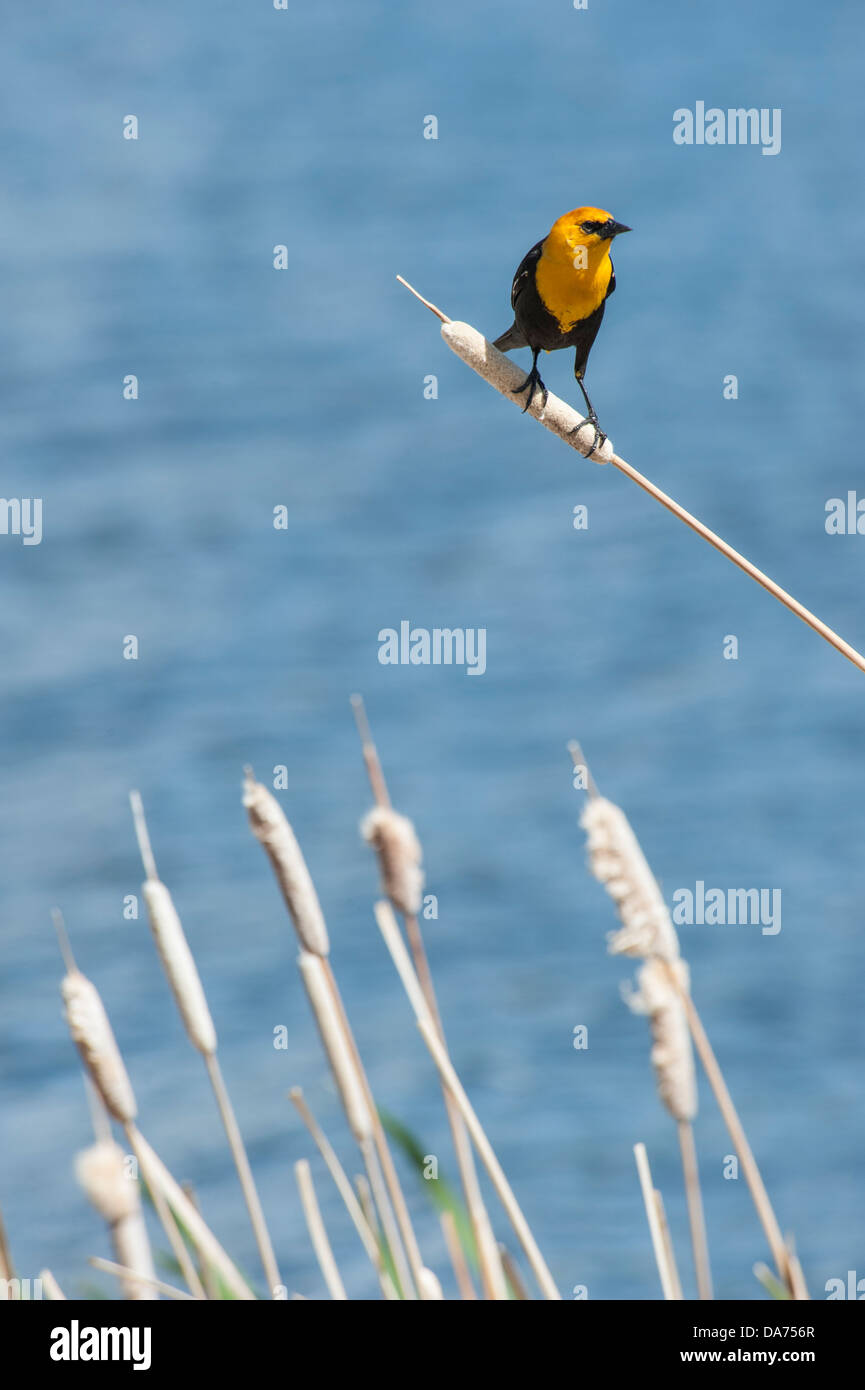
(558, 297)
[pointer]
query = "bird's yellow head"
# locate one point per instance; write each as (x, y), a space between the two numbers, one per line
(584, 234)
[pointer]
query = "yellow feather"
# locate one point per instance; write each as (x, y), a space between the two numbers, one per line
(574, 269)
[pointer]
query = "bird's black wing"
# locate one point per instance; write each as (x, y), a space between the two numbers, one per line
(612, 285)
(525, 274)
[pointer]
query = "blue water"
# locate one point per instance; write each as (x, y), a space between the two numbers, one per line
(305, 388)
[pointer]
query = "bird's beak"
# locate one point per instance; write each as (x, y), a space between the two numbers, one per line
(612, 229)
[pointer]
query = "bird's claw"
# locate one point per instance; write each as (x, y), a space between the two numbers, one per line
(599, 439)
(533, 381)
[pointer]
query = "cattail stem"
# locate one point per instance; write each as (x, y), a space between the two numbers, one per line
(379, 1140)
(370, 753)
(458, 1260)
(157, 1177)
(399, 858)
(492, 1272)
(556, 415)
(490, 1162)
(514, 1277)
(7, 1269)
(429, 1032)
(731, 1119)
(164, 1212)
(668, 1277)
(668, 1245)
(51, 1287)
(244, 1173)
(696, 1217)
(344, 1187)
(317, 1232)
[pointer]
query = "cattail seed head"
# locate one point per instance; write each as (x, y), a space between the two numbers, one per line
(101, 1171)
(91, 1033)
(179, 966)
(395, 841)
(429, 1286)
(672, 1054)
(272, 830)
(616, 860)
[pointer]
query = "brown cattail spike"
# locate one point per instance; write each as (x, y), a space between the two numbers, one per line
(272, 830)
(394, 840)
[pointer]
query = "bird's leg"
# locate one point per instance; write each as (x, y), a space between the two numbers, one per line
(591, 418)
(533, 381)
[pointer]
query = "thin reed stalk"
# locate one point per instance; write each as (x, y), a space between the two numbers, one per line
(50, 1287)
(7, 1269)
(756, 1186)
(559, 417)
(490, 1162)
(465, 1287)
(317, 1233)
(400, 957)
(515, 1279)
(666, 1270)
(668, 1245)
(344, 1187)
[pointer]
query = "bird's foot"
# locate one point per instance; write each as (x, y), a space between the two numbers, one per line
(598, 439)
(534, 383)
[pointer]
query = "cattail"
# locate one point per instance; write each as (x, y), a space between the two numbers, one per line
(647, 931)
(336, 1045)
(179, 966)
(271, 828)
(394, 840)
(616, 860)
(672, 1055)
(430, 1288)
(91, 1033)
(101, 1171)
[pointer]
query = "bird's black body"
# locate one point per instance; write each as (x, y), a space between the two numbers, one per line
(535, 327)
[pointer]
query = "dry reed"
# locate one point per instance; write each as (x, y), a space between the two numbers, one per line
(185, 983)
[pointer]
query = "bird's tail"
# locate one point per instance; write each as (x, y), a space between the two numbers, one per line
(512, 339)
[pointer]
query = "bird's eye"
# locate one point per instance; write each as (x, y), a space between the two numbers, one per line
(590, 227)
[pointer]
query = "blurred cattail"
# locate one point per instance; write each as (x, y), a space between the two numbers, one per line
(336, 1045)
(182, 972)
(430, 1288)
(272, 830)
(179, 966)
(101, 1171)
(616, 860)
(91, 1033)
(663, 985)
(672, 1055)
(394, 840)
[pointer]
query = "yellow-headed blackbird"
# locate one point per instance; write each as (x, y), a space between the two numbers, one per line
(559, 293)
